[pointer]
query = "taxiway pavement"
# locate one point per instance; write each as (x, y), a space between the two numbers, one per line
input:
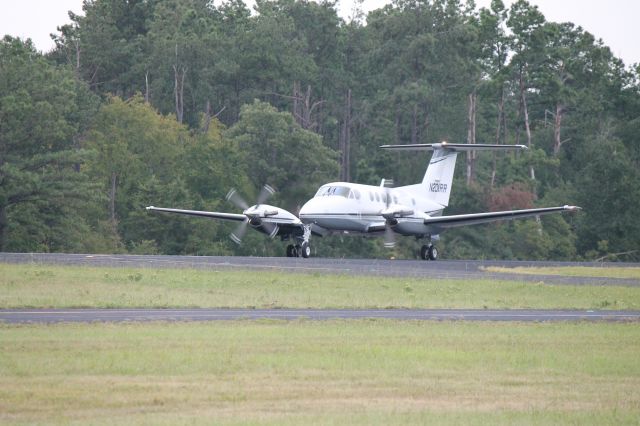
(204, 314)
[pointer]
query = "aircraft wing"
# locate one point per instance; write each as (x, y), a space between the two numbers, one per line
(453, 221)
(214, 215)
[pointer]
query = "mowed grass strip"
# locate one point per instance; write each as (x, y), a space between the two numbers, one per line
(346, 372)
(43, 286)
(573, 271)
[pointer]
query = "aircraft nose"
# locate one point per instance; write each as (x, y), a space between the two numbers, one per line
(309, 207)
(317, 206)
(322, 205)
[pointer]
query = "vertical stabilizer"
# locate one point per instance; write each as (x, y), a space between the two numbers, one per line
(439, 176)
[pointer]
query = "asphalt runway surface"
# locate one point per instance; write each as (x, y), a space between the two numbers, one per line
(138, 315)
(442, 269)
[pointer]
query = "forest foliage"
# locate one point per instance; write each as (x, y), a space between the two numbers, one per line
(174, 102)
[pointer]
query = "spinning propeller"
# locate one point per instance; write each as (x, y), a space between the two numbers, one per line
(391, 214)
(254, 214)
(388, 214)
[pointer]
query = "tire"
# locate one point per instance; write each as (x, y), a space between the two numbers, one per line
(432, 253)
(305, 250)
(424, 252)
(291, 251)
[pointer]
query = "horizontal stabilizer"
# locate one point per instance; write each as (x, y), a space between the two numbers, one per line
(458, 147)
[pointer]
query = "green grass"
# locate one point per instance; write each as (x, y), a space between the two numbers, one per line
(345, 372)
(44, 286)
(573, 271)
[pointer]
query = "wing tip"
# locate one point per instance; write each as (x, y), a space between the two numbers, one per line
(572, 208)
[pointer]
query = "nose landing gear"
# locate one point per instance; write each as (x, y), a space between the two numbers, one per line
(302, 249)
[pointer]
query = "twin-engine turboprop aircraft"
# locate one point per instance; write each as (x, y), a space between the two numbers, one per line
(350, 208)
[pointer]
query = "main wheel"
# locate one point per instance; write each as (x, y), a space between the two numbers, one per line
(424, 252)
(432, 253)
(291, 251)
(305, 250)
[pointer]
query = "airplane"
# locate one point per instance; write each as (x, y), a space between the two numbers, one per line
(368, 210)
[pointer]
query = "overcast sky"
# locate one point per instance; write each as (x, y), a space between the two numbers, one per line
(615, 21)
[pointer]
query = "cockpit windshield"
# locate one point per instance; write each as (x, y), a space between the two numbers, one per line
(327, 190)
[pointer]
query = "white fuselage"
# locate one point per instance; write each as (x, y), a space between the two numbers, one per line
(355, 208)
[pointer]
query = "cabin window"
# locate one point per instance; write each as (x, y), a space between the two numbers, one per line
(395, 199)
(377, 197)
(341, 191)
(413, 201)
(371, 195)
(357, 193)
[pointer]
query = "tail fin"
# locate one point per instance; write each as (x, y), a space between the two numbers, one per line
(439, 176)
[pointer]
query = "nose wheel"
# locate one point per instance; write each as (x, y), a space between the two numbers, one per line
(302, 248)
(429, 252)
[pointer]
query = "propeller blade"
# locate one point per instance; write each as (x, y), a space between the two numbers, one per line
(387, 184)
(238, 234)
(234, 198)
(266, 192)
(389, 237)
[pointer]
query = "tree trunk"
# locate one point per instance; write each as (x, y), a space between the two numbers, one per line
(296, 101)
(525, 110)
(307, 110)
(146, 87)
(4, 224)
(178, 87)
(397, 127)
(178, 90)
(77, 68)
(302, 107)
(557, 142)
(471, 136)
(112, 198)
(345, 141)
(206, 122)
(414, 125)
(494, 164)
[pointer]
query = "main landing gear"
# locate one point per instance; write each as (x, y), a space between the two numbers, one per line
(429, 252)
(299, 250)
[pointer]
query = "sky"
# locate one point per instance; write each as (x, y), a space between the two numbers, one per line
(614, 21)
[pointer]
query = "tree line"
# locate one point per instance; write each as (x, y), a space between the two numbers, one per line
(173, 102)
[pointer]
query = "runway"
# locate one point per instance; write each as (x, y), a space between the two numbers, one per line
(441, 269)
(23, 316)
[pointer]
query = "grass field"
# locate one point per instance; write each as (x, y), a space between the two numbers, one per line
(307, 372)
(64, 287)
(572, 271)
(346, 372)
